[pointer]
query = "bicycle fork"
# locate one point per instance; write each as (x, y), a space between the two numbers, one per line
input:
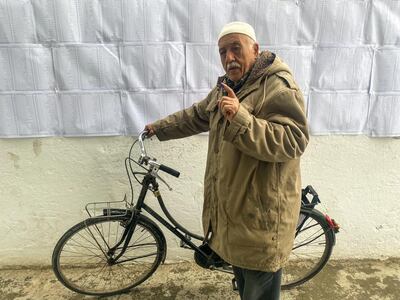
(125, 239)
(130, 226)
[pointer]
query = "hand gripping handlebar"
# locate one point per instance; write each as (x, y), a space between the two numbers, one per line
(144, 159)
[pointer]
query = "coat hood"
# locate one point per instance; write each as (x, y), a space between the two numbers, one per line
(267, 64)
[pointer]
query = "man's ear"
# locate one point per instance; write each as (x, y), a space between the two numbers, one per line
(256, 48)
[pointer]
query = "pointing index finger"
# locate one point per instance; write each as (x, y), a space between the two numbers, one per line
(230, 92)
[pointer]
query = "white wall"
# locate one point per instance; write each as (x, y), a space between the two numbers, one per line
(45, 184)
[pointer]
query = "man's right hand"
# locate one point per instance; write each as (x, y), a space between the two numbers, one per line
(150, 130)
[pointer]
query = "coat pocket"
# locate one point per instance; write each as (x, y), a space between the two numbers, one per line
(247, 226)
(244, 207)
(260, 232)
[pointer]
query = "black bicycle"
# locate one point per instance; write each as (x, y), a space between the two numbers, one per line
(118, 247)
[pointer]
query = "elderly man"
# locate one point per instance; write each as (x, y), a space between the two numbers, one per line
(257, 132)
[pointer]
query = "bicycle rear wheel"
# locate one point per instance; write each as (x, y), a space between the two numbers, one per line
(81, 259)
(312, 248)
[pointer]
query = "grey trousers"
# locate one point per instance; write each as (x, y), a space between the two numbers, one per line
(258, 285)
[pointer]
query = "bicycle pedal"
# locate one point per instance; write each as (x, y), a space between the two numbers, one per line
(234, 284)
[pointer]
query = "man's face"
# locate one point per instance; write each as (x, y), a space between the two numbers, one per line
(238, 53)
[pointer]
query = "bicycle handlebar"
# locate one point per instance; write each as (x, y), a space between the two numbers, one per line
(144, 159)
(169, 170)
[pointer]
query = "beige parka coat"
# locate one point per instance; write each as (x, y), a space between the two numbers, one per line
(252, 181)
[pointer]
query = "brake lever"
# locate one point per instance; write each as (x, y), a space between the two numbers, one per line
(162, 180)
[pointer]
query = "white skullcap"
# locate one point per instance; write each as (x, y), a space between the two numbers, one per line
(238, 27)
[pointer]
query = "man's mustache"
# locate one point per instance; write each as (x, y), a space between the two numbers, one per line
(233, 65)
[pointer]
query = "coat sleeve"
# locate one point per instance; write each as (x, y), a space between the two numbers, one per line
(187, 122)
(280, 136)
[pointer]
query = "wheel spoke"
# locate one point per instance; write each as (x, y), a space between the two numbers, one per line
(137, 257)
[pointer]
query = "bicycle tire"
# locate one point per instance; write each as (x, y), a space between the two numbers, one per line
(312, 249)
(80, 263)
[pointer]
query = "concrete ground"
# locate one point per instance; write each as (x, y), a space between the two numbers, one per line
(352, 279)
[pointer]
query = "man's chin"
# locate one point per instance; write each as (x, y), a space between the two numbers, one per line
(234, 76)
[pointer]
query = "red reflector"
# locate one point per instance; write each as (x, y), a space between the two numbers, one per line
(332, 224)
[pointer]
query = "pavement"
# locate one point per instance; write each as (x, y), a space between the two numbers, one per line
(340, 279)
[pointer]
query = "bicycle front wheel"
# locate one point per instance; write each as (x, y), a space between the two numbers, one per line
(312, 248)
(81, 258)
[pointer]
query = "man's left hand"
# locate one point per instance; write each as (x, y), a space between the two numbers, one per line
(229, 104)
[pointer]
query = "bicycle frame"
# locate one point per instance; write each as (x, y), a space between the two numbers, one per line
(173, 226)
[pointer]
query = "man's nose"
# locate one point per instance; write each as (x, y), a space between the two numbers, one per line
(229, 57)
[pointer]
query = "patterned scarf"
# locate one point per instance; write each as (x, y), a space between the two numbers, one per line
(236, 87)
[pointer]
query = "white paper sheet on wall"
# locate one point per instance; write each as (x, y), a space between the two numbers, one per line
(109, 67)
(133, 22)
(335, 112)
(97, 113)
(17, 22)
(78, 21)
(87, 67)
(203, 66)
(143, 108)
(29, 114)
(268, 18)
(386, 71)
(299, 60)
(157, 20)
(207, 18)
(383, 23)
(327, 22)
(384, 117)
(342, 68)
(57, 21)
(194, 97)
(154, 66)
(26, 68)
(6, 69)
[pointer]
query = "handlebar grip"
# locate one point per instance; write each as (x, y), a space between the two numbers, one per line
(169, 170)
